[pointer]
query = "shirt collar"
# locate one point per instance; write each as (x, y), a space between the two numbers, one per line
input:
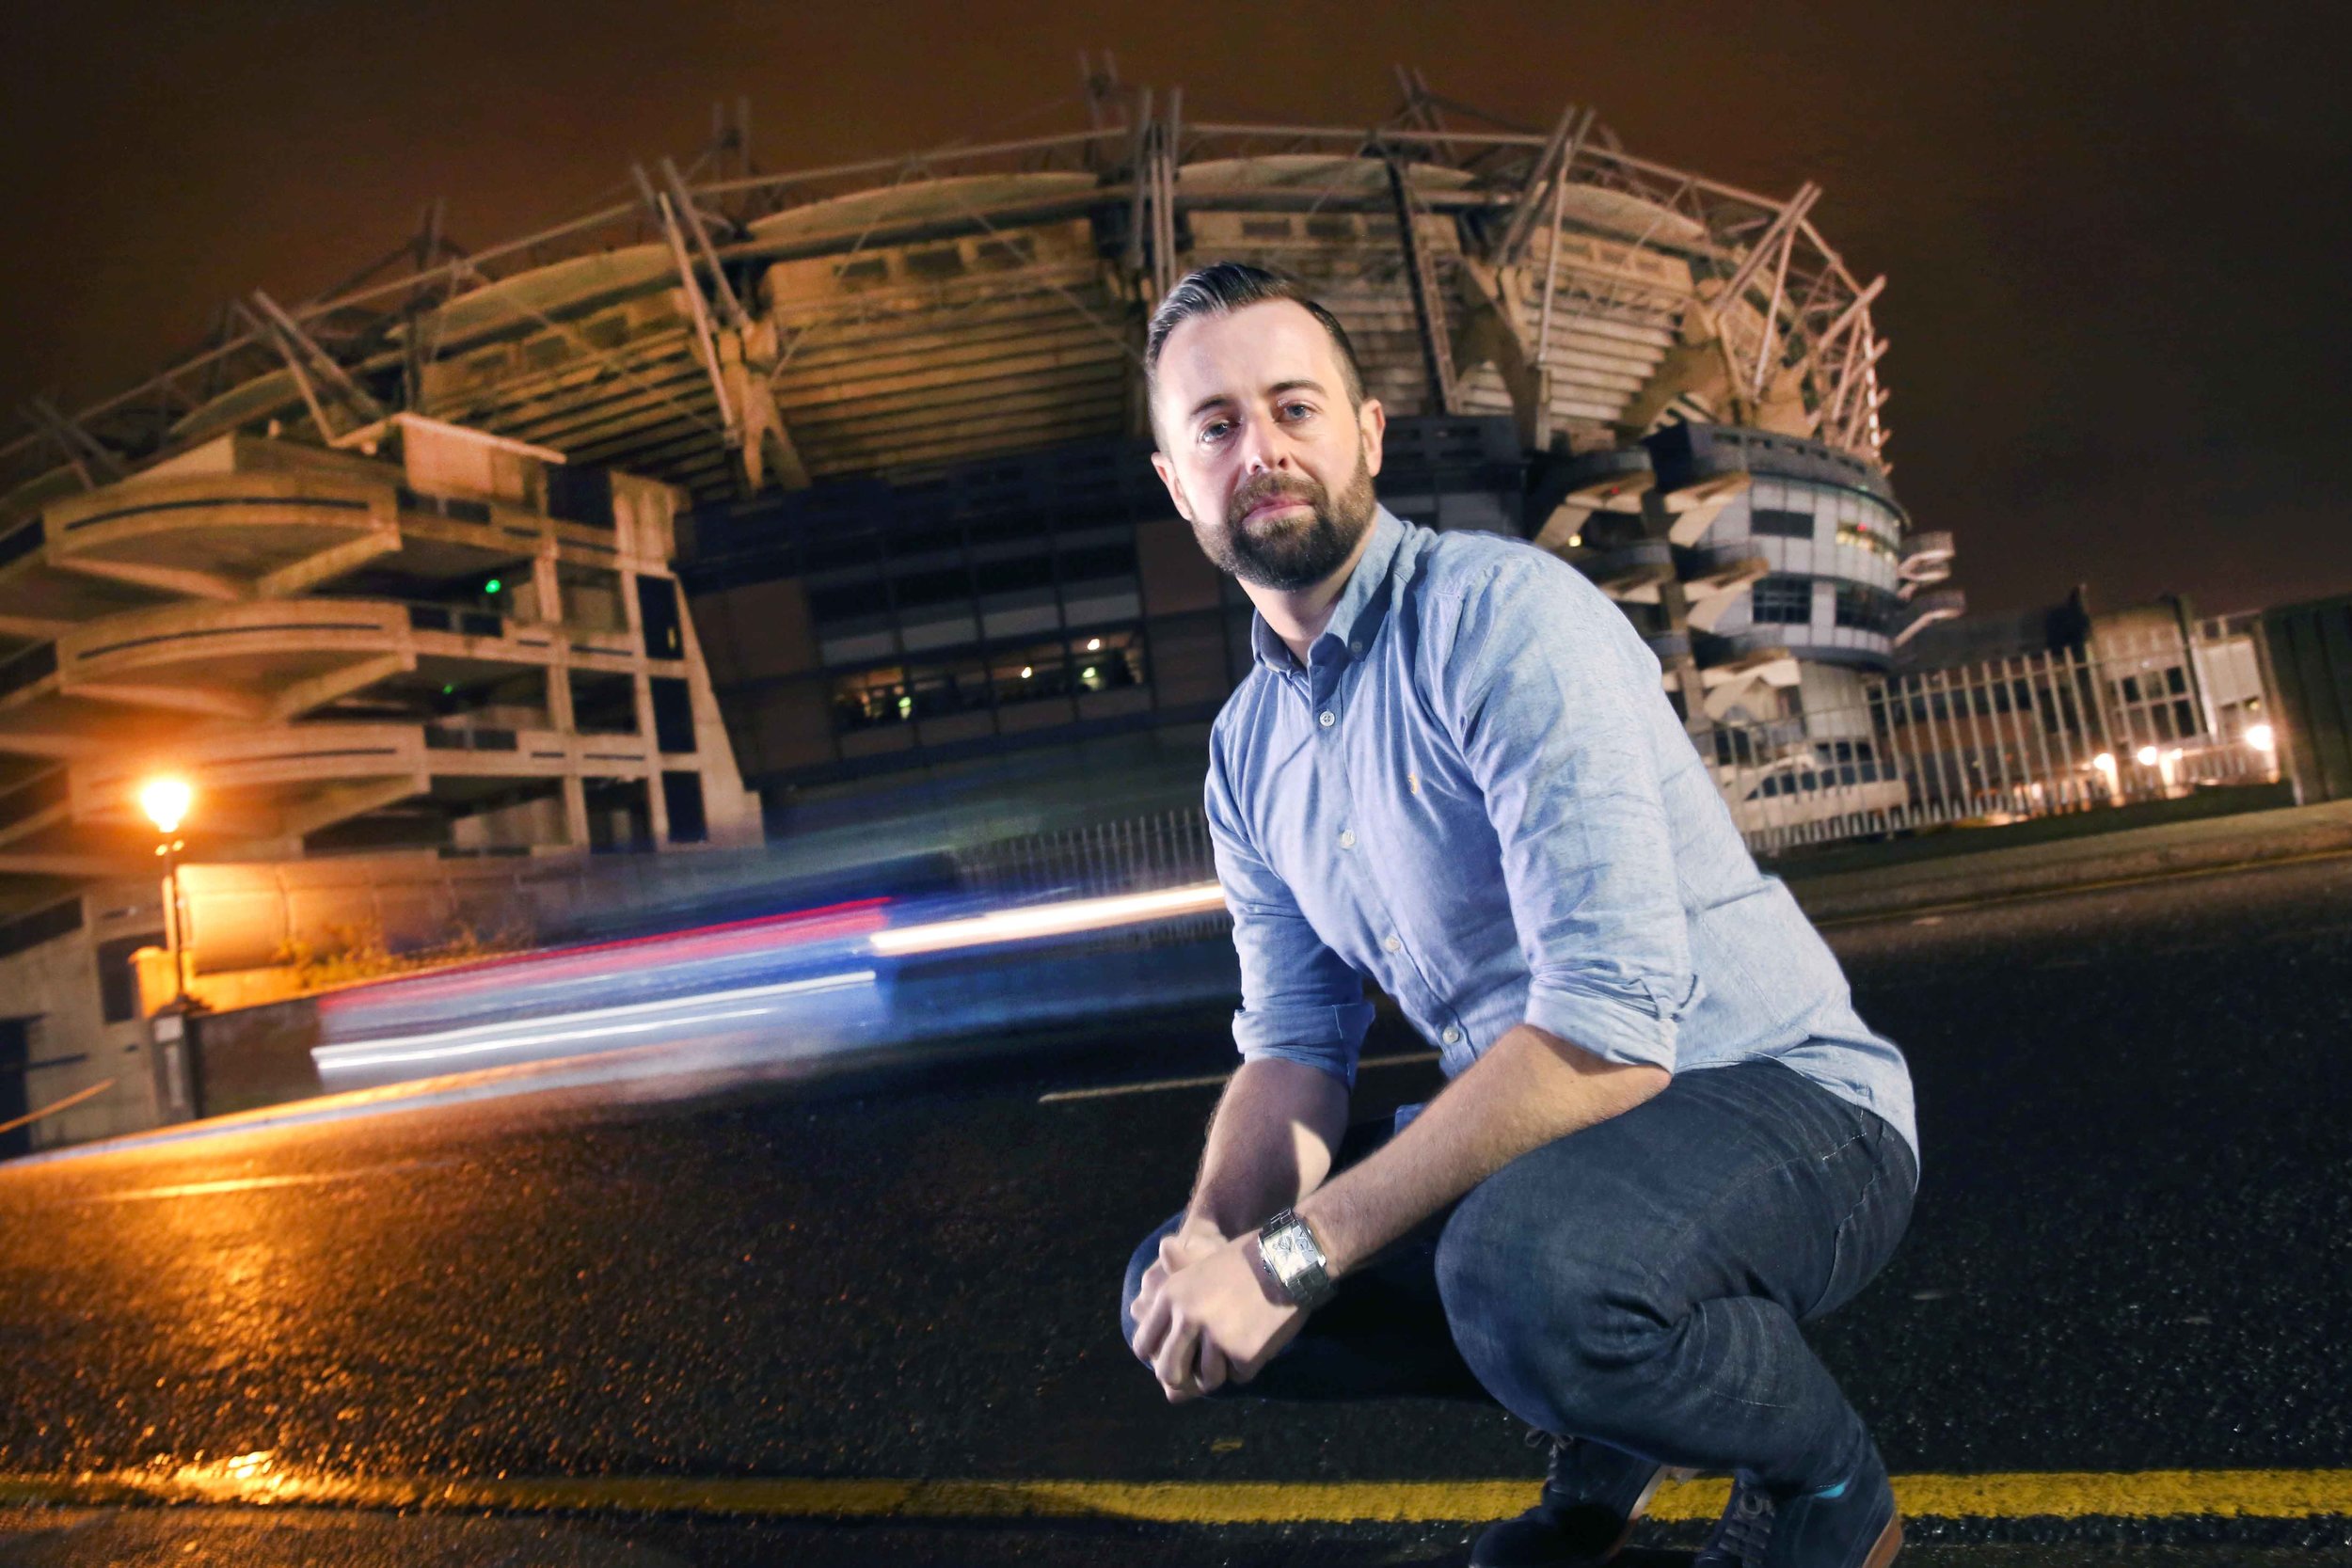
(1357, 614)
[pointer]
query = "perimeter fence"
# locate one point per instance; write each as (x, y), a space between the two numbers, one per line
(2134, 717)
(1169, 848)
(2138, 715)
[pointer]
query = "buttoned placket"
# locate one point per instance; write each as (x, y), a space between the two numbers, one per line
(1328, 701)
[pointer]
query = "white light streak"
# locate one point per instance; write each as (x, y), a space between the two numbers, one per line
(598, 1024)
(1051, 920)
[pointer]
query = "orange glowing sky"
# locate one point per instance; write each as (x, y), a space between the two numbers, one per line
(2114, 233)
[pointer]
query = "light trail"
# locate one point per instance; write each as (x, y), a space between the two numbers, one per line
(673, 1013)
(1068, 918)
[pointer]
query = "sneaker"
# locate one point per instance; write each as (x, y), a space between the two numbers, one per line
(1850, 1524)
(1591, 1497)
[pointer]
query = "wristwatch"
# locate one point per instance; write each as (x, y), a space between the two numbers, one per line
(1295, 1261)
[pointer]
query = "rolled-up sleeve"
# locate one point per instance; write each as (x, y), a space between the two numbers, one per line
(1300, 1002)
(1546, 697)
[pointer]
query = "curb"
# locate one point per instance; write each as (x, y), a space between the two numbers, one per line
(2139, 854)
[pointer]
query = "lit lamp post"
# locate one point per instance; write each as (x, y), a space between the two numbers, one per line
(166, 803)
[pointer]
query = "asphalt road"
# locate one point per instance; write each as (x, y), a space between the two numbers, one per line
(2130, 1254)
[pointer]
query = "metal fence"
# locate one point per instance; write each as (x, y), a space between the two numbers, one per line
(2133, 718)
(1140, 854)
(2143, 713)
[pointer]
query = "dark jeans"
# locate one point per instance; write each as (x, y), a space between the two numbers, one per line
(1639, 1283)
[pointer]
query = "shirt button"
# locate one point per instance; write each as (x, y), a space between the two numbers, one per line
(1356, 646)
(1452, 1037)
(1329, 718)
(1347, 839)
(1391, 945)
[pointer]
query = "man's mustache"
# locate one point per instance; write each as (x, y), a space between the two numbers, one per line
(1268, 488)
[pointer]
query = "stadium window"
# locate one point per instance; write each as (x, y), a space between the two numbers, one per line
(1863, 609)
(682, 799)
(1010, 576)
(1868, 533)
(1099, 561)
(949, 687)
(1107, 659)
(870, 698)
(1783, 601)
(1030, 673)
(944, 261)
(941, 586)
(848, 601)
(1784, 525)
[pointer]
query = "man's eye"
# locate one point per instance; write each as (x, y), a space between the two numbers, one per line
(1214, 430)
(1299, 410)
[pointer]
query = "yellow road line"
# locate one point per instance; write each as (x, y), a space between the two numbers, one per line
(2066, 1495)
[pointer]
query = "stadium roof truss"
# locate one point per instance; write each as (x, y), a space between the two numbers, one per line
(1772, 321)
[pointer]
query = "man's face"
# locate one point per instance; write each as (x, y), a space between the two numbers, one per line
(1258, 447)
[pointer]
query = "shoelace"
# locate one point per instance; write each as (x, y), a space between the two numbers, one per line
(1745, 1530)
(1536, 1437)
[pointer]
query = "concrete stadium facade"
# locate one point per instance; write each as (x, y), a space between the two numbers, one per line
(927, 568)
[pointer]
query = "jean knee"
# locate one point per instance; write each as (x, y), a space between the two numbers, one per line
(1543, 1311)
(1145, 1256)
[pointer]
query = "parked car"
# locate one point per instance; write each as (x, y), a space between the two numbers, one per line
(1814, 785)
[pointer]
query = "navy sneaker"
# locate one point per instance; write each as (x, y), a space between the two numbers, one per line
(1850, 1524)
(1591, 1497)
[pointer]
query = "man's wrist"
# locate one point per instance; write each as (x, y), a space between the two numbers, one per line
(1295, 1260)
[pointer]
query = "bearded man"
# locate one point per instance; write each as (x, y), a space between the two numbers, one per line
(1666, 1139)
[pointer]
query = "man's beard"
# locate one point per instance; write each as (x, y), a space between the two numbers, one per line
(1292, 555)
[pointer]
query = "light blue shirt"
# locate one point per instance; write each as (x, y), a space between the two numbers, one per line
(1477, 794)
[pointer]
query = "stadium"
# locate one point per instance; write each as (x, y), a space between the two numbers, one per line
(775, 500)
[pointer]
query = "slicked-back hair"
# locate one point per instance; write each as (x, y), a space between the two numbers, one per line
(1223, 287)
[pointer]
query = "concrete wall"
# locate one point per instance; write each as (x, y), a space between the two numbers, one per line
(56, 986)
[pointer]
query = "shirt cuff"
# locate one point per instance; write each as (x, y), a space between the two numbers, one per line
(1633, 1024)
(1326, 1039)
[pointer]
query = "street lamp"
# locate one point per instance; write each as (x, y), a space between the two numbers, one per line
(166, 800)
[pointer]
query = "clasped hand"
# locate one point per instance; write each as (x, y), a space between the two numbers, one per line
(1206, 1314)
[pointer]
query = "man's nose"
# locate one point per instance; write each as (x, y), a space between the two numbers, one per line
(1261, 448)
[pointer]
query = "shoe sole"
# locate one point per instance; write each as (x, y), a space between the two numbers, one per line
(1890, 1541)
(1641, 1507)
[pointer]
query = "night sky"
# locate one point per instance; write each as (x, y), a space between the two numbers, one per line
(2116, 235)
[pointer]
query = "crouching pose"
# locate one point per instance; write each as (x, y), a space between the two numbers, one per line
(1667, 1139)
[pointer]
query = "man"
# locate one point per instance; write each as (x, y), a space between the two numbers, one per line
(1667, 1138)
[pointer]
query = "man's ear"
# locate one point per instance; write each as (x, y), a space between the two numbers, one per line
(1167, 470)
(1373, 422)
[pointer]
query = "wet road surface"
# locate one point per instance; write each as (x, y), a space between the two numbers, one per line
(2129, 1254)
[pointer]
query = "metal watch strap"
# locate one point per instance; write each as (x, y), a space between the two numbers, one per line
(1295, 1261)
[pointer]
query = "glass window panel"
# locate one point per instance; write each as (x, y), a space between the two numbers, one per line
(870, 697)
(1782, 600)
(1107, 661)
(1025, 675)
